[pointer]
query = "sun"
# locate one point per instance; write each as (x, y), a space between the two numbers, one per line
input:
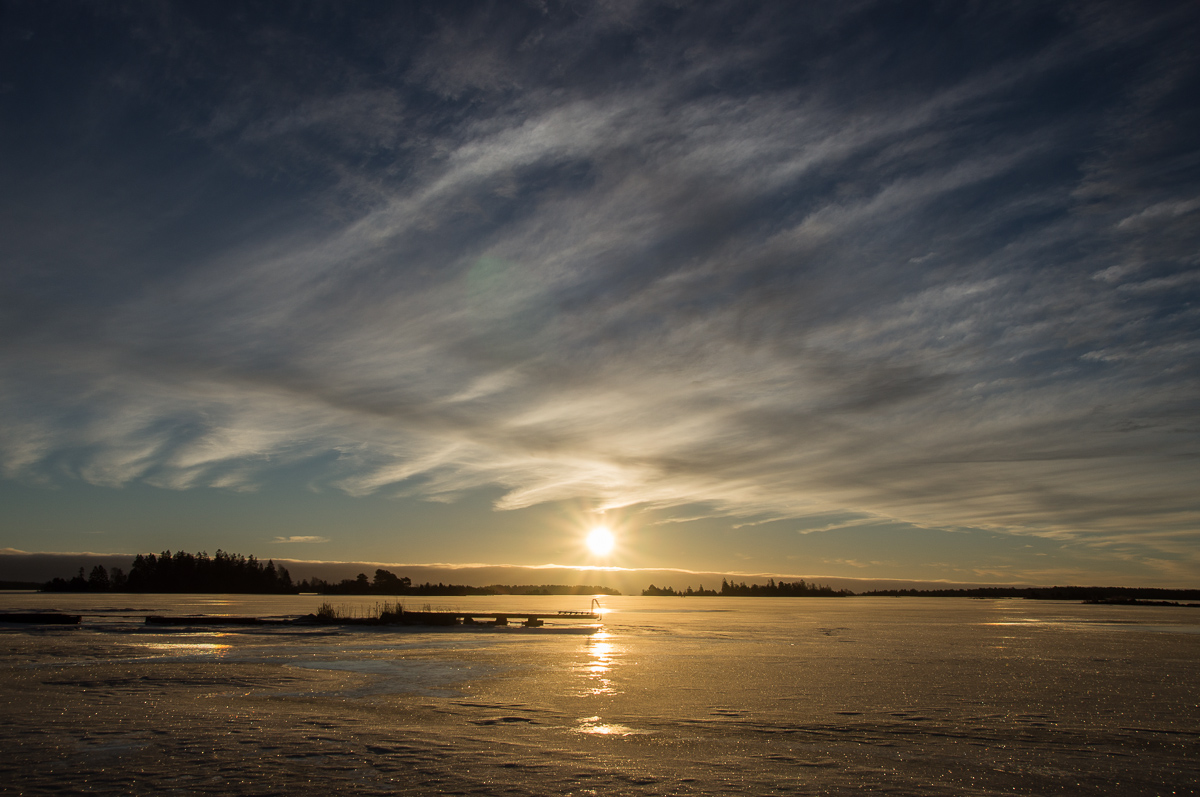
(600, 541)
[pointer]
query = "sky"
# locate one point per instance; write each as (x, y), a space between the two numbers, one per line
(854, 289)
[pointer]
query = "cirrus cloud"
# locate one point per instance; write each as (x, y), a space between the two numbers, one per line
(957, 292)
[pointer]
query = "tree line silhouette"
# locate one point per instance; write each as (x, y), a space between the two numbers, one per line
(1047, 593)
(387, 583)
(234, 573)
(183, 572)
(772, 589)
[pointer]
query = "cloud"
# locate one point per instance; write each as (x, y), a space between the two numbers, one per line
(737, 279)
(301, 538)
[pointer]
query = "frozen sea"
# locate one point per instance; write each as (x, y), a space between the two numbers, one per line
(669, 696)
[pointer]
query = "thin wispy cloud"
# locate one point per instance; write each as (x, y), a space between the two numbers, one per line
(785, 272)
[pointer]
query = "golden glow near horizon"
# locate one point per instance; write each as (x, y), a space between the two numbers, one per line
(600, 541)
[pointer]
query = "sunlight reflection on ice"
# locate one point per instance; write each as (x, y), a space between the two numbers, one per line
(593, 725)
(186, 648)
(597, 668)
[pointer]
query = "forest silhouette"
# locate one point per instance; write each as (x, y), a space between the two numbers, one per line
(183, 572)
(772, 589)
(234, 573)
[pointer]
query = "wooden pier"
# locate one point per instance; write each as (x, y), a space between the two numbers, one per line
(526, 619)
(502, 618)
(210, 619)
(40, 618)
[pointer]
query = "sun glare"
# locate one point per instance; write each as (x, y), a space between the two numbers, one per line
(600, 541)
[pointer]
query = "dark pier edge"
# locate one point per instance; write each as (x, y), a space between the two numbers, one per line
(40, 618)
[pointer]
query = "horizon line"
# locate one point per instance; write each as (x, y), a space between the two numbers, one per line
(601, 568)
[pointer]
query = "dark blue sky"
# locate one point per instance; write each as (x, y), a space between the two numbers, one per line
(858, 289)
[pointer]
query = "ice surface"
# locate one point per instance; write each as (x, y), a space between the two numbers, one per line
(675, 696)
